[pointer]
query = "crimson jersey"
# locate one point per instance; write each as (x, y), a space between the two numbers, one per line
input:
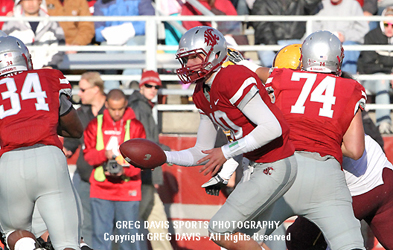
(231, 90)
(29, 108)
(318, 107)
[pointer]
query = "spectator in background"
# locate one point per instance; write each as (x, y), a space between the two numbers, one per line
(119, 32)
(217, 7)
(115, 195)
(379, 62)
(370, 8)
(241, 7)
(92, 96)
(6, 9)
(76, 33)
(382, 4)
(281, 33)
(151, 207)
(91, 5)
(349, 32)
(45, 33)
(171, 8)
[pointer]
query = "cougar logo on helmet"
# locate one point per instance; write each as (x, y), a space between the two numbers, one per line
(310, 62)
(205, 43)
(210, 38)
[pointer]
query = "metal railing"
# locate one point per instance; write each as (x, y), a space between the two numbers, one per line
(151, 47)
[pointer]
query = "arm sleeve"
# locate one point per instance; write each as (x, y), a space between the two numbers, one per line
(311, 6)
(65, 105)
(56, 58)
(371, 6)
(65, 92)
(263, 30)
(85, 29)
(145, 8)
(368, 62)
(206, 137)
(359, 28)
(268, 128)
(250, 65)
(98, 26)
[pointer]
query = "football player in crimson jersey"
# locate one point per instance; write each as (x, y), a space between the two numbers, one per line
(369, 180)
(34, 110)
(234, 99)
(323, 111)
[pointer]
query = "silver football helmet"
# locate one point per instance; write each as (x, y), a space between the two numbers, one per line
(322, 51)
(14, 55)
(198, 41)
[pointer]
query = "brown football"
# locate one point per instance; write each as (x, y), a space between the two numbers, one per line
(142, 153)
(17, 235)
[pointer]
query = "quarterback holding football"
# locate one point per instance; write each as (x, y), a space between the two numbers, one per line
(234, 99)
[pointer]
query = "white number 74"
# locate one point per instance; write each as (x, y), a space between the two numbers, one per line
(326, 85)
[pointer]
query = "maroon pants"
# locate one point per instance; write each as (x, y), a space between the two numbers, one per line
(375, 207)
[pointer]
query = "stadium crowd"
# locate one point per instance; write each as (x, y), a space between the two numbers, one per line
(105, 188)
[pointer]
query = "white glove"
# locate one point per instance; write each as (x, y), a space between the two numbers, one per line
(119, 34)
(214, 185)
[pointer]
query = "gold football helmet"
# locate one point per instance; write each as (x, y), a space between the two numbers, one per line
(289, 57)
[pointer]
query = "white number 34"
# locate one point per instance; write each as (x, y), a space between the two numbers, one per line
(31, 90)
(325, 86)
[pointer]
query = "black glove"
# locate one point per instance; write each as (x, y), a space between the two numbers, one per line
(44, 245)
(234, 56)
(214, 185)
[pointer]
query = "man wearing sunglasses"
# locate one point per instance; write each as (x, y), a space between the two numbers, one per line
(151, 207)
(92, 96)
(379, 62)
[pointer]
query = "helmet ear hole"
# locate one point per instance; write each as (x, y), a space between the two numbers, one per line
(14, 55)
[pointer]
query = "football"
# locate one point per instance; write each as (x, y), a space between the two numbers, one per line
(13, 238)
(142, 153)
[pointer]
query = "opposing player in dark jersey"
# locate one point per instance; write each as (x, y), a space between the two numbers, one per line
(234, 99)
(34, 110)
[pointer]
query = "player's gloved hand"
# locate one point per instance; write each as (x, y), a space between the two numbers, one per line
(235, 56)
(214, 185)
